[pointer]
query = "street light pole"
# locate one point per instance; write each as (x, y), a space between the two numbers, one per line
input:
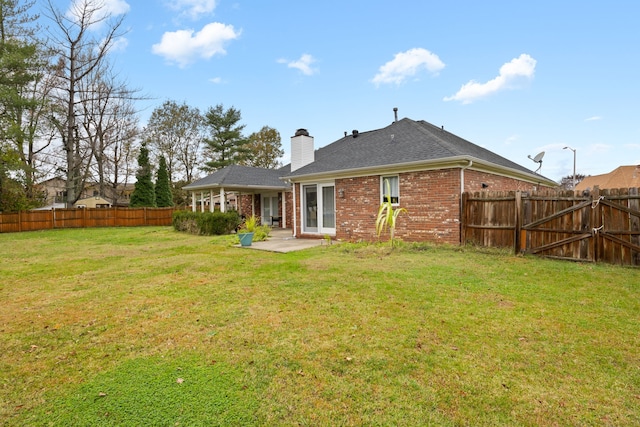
(574, 165)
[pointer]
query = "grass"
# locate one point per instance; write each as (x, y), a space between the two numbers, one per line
(147, 326)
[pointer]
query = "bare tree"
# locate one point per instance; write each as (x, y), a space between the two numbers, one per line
(109, 126)
(175, 131)
(81, 53)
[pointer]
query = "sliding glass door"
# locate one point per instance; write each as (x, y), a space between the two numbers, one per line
(319, 208)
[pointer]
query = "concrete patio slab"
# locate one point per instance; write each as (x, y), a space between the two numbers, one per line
(281, 240)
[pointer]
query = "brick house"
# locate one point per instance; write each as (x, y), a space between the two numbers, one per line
(337, 189)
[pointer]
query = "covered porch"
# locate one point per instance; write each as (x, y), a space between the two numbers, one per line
(248, 190)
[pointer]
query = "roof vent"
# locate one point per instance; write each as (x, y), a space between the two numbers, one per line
(395, 113)
(354, 133)
(302, 132)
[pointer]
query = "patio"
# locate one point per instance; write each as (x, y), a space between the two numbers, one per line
(281, 240)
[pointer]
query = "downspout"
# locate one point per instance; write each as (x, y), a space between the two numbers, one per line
(461, 192)
(294, 209)
(462, 178)
(284, 210)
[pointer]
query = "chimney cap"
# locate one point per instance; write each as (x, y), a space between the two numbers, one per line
(354, 133)
(302, 132)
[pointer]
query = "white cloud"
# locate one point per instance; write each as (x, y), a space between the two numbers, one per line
(510, 140)
(303, 64)
(511, 76)
(593, 119)
(185, 46)
(106, 9)
(119, 45)
(216, 80)
(193, 9)
(407, 64)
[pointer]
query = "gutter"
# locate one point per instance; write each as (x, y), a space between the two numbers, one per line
(451, 162)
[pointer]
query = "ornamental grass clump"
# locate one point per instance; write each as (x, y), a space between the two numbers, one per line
(387, 216)
(252, 225)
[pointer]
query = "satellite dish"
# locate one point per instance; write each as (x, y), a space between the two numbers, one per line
(538, 159)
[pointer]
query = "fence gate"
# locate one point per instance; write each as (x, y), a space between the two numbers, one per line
(603, 226)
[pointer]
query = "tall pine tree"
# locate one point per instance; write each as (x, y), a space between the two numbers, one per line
(164, 198)
(226, 146)
(143, 194)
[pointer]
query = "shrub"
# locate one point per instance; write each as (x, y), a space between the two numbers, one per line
(206, 223)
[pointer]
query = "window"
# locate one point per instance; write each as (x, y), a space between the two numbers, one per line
(390, 184)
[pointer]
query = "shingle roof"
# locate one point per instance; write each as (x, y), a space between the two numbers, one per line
(621, 177)
(236, 176)
(403, 142)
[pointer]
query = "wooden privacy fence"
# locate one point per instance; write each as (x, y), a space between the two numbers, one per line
(88, 217)
(602, 226)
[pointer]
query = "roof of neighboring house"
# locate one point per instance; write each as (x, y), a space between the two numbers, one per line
(405, 144)
(244, 178)
(620, 177)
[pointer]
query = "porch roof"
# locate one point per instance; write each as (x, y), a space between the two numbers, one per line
(243, 179)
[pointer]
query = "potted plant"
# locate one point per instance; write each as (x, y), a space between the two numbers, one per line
(247, 230)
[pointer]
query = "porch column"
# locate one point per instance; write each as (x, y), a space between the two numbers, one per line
(201, 201)
(211, 204)
(223, 201)
(193, 201)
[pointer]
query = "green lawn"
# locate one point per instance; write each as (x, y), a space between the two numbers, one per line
(147, 326)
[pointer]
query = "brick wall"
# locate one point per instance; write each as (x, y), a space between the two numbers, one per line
(288, 215)
(245, 206)
(473, 181)
(431, 198)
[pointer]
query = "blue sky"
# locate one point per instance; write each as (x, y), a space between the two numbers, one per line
(517, 78)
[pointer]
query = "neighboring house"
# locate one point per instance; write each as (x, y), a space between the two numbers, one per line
(337, 190)
(92, 202)
(621, 177)
(55, 191)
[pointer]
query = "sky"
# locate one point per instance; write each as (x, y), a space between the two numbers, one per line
(515, 77)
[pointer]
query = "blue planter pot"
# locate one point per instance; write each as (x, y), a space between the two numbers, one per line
(245, 239)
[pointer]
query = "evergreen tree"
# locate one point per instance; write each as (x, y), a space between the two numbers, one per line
(163, 188)
(226, 146)
(143, 193)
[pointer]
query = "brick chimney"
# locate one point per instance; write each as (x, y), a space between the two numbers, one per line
(302, 149)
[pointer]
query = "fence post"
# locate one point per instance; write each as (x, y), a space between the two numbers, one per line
(20, 221)
(518, 227)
